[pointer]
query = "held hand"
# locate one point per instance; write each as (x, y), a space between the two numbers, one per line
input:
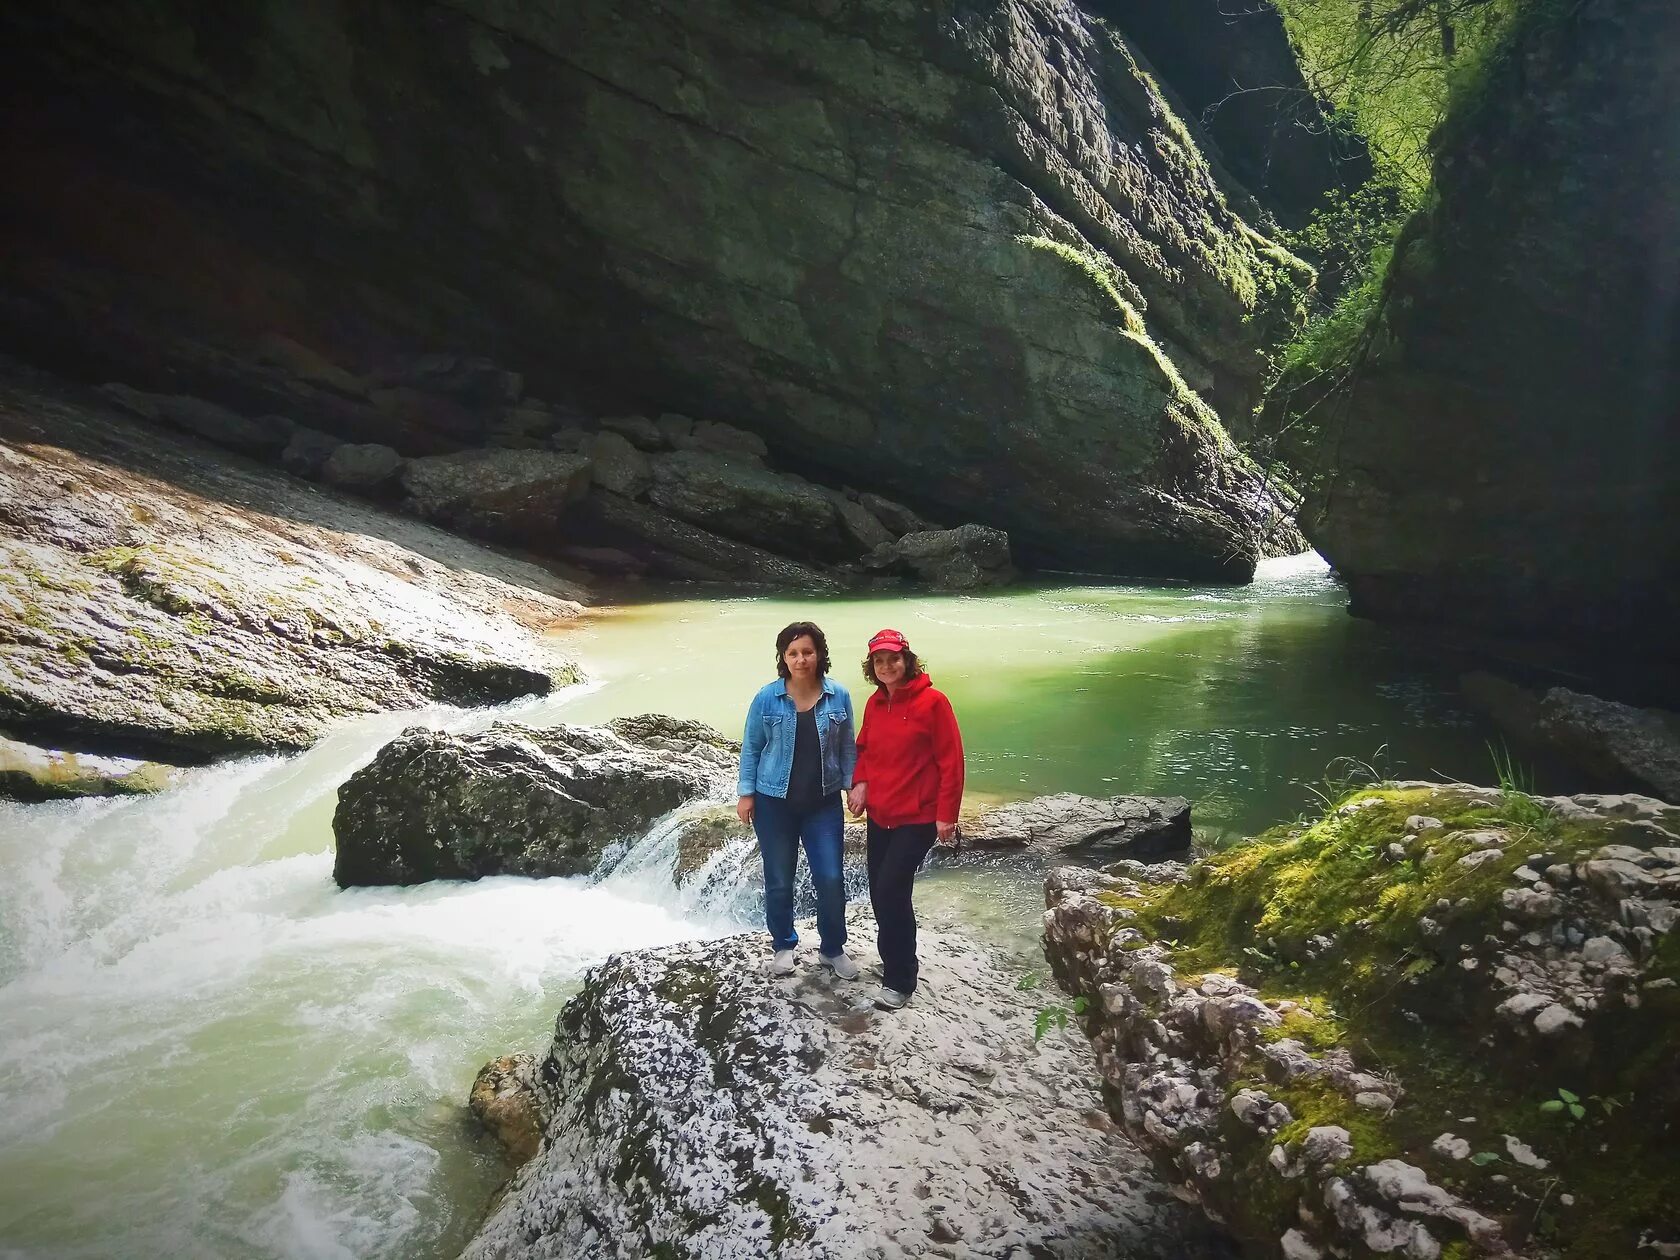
(947, 833)
(744, 809)
(857, 798)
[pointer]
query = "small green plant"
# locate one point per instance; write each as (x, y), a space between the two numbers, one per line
(1518, 805)
(1343, 776)
(1483, 1158)
(1057, 1015)
(1029, 982)
(1565, 1103)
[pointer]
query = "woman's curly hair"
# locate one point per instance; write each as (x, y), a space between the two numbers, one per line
(912, 668)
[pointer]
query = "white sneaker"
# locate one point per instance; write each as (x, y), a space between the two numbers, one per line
(841, 965)
(891, 999)
(782, 963)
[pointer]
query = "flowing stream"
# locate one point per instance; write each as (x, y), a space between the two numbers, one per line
(208, 1050)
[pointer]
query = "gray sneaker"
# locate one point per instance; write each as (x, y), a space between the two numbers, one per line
(841, 965)
(891, 999)
(781, 964)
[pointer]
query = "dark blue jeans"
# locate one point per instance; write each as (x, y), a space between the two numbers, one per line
(780, 828)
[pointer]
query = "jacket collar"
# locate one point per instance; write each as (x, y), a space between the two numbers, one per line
(920, 683)
(827, 686)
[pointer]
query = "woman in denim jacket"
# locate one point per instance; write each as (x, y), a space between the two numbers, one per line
(797, 754)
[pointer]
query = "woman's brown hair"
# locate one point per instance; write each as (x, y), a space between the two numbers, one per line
(796, 630)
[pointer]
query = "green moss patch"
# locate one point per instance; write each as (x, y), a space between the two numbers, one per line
(1365, 927)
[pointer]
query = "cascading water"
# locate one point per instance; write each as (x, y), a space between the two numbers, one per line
(210, 1050)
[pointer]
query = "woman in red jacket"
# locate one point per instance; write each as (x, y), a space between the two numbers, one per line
(909, 778)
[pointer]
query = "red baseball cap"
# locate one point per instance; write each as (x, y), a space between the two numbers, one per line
(888, 641)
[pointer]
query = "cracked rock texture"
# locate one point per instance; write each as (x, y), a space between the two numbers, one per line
(693, 1107)
(160, 597)
(966, 248)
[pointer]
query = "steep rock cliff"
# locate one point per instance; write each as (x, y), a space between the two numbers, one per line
(961, 253)
(1505, 456)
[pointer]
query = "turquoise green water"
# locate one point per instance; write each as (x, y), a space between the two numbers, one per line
(1237, 698)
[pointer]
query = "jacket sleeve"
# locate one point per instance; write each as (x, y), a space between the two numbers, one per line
(860, 766)
(848, 745)
(948, 759)
(752, 747)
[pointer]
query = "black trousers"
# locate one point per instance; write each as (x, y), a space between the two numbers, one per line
(894, 853)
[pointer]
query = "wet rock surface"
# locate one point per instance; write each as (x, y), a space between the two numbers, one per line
(694, 1107)
(1414, 1046)
(28, 773)
(958, 559)
(159, 598)
(518, 800)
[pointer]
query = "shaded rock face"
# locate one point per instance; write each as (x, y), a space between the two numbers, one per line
(965, 254)
(1120, 826)
(1312, 1033)
(517, 800)
(1621, 747)
(693, 1107)
(1508, 461)
(960, 559)
(1232, 69)
(158, 598)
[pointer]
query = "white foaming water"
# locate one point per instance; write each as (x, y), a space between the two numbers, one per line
(210, 1050)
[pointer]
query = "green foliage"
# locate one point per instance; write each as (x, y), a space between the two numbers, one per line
(1567, 1104)
(1057, 1015)
(1519, 805)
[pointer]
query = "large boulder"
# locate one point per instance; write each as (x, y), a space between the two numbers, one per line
(993, 258)
(1084, 826)
(693, 1107)
(741, 499)
(159, 601)
(680, 549)
(958, 559)
(1621, 747)
(518, 495)
(516, 800)
(1502, 460)
(1404, 1028)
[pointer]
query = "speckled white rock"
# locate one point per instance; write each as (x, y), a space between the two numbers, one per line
(695, 1102)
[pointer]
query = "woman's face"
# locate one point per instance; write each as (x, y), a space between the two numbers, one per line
(888, 667)
(800, 657)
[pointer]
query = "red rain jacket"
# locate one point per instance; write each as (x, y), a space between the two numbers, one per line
(910, 754)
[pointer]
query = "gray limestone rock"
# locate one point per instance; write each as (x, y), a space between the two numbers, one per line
(616, 465)
(159, 601)
(898, 519)
(741, 499)
(518, 800)
(958, 559)
(363, 466)
(518, 496)
(307, 452)
(693, 1105)
(1067, 823)
(28, 773)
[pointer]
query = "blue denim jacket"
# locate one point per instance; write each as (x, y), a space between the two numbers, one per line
(767, 742)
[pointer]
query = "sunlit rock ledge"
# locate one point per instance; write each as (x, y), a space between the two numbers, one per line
(691, 1106)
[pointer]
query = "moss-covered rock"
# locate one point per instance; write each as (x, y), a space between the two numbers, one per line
(1439, 1020)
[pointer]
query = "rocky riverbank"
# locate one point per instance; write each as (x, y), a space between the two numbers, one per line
(161, 598)
(1437, 1022)
(691, 1106)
